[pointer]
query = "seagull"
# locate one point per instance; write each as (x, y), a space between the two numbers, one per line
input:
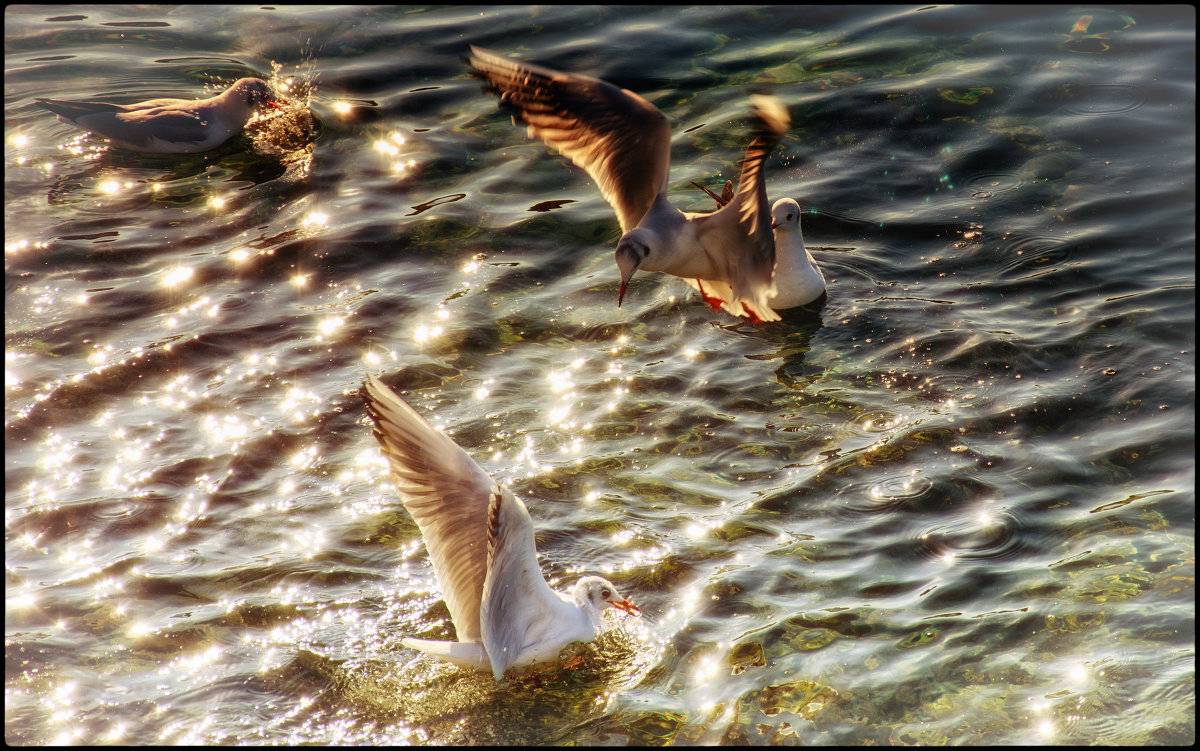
(623, 142)
(480, 540)
(169, 126)
(798, 279)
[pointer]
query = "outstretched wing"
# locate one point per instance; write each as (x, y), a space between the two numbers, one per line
(620, 139)
(745, 222)
(447, 494)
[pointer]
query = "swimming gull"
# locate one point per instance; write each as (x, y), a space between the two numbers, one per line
(169, 126)
(480, 540)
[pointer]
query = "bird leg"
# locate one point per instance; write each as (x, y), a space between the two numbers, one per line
(535, 676)
(753, 316)
(713, 302)
(572, 662)
(550, 671)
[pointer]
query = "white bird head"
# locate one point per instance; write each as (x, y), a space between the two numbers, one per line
(594, 593)
(632, 250)
(785, 214)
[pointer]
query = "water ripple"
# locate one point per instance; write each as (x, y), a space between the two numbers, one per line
(880, 421)
(940, 491)
(1105, 99)
(982, 535)
(890, 492)
(992, 184)
(1024, 251)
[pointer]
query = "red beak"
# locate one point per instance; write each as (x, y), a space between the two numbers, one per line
(627, 606)
(621, 294)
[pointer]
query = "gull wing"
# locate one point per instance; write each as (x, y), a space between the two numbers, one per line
(139, 126)
(72, 110)
(518, 605)
(157, 126)
(447, 494)
(746, 220)
(620, 139)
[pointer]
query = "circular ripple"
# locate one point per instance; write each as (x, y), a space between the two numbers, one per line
(992, 184)
(984, 535)
(119, 509)
(1105, 99)
(1027, 252)
(879, 421)
(890, 492)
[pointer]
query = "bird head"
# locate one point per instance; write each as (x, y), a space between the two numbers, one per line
(599, 593)
(632, 251)
(785, 213)
(255, 92)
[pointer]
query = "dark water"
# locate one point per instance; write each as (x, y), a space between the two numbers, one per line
(953, 504)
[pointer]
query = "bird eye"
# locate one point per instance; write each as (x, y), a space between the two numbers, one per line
(605, 593)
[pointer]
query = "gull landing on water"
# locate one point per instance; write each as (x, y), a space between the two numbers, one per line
(480, 540)
(798, 279)
(623, 142)
(169, 126)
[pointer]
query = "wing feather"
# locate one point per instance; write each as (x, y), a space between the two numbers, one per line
(140, 127)
(72, 109)
(620, 139)
(751, 275)
(446, 493)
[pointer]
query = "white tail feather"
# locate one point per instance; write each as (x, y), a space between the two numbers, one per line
(465, 654)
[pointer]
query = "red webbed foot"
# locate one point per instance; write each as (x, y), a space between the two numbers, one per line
(713, 302)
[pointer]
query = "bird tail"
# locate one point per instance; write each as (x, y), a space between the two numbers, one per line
(465, 654)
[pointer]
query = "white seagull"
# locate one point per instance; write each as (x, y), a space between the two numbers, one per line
(169, 126)
(480, 540)
(623, 142)
(798, 279)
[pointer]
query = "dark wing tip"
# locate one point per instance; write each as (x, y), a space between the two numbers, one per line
(369, 400)
(53, 105)
(478, 58)
(375, 394)
(493, 525)
(721, 200)
(478, 63)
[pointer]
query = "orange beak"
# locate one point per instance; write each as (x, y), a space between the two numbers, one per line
(627, 606)
(621, 294)
(774, 225)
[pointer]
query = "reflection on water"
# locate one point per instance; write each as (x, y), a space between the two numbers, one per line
(952, 502)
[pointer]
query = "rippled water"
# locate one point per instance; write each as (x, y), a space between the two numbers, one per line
(955, 503)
